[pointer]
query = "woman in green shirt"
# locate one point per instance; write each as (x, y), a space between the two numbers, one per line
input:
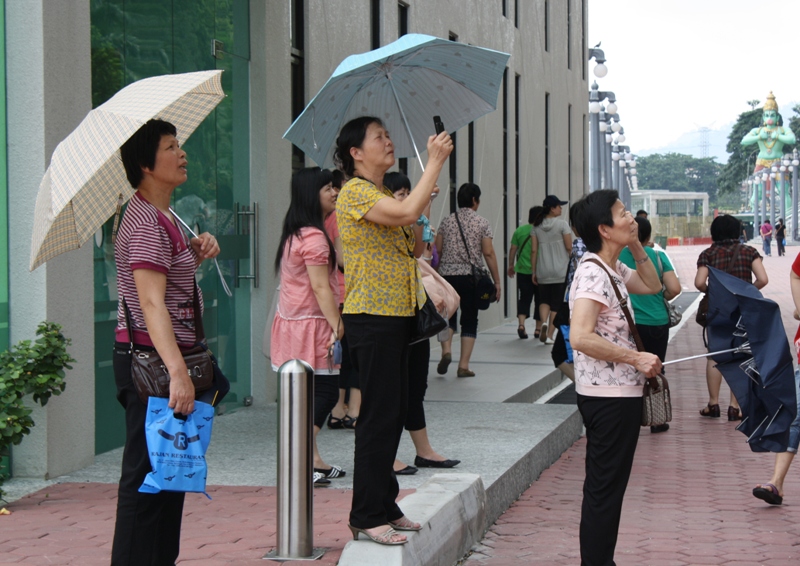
(652, 318)
(519, 262)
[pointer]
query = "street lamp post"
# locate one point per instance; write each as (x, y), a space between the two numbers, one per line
(773, 181)
(795, 176)
(596, 116)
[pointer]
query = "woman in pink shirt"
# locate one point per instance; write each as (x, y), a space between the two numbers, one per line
(609, 370)
(307, 320)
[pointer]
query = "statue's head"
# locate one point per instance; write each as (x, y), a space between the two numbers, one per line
(769, 116)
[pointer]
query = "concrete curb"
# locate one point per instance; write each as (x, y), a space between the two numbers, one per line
(452, 510)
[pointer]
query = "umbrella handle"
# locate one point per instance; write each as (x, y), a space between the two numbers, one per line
(732, 350)
(216, 263)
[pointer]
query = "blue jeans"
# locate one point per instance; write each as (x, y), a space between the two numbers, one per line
(767, 243)
(794, 429)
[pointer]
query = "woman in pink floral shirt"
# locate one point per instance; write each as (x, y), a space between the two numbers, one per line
(609, 371)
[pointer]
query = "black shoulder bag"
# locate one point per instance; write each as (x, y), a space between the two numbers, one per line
(484, 286)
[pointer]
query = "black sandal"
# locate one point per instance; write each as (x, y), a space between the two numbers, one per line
(521, 332)
(711, 411)
(334, 423)
(349, 422)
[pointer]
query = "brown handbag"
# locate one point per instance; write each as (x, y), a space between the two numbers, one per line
(149, 372)
(656, 400)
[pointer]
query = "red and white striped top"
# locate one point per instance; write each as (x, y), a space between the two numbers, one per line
(148, 240)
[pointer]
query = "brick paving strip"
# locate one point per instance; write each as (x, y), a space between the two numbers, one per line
(689, 500)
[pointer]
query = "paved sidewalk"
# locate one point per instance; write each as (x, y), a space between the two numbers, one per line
(689, 500)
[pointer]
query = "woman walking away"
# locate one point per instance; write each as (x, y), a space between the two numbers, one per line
(609, 371)
(652, 318)
(780, 236)
(384, 290)
(726, 254)
(766, 237)
(519, 263)
(307, 321)
(462, 239)
(418, 362)
(156, 266)
(550, 249)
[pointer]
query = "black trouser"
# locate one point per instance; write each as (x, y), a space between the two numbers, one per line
(379, 350)
(148, 527)
(348, 377)
(612, 432)
(326, 395)
(465, 287)
(781, 248)
(418, 358)
(526, 291)
(655, 339)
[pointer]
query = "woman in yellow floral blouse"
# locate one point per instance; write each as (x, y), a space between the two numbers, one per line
(383, 290)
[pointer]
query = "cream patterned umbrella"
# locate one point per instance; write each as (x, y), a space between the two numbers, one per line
(81, 187)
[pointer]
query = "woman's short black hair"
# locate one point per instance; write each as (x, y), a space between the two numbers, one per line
(591, 212)
(396, 181)
(338, 178)
(725, 227)
(141, 148)
(466, 193)
(533, 213)
(645, 228)
(352, 135)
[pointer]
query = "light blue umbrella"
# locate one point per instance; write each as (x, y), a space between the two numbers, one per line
(404, 84)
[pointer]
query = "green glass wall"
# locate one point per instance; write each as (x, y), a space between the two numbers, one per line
(132, 40)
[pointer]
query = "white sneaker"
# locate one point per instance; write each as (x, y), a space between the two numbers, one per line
(320, 480)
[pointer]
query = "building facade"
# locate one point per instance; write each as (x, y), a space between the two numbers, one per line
(63, 58)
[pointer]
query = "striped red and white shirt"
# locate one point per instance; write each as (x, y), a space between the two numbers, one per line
(148, 240)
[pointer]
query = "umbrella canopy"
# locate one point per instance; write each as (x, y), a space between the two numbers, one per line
(763, 381)
(404, 84)
(81, 187)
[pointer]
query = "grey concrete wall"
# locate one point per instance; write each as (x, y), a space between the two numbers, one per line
(338, 28)
(49, 93)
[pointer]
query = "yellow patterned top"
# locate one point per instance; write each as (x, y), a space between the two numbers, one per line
(380, 272)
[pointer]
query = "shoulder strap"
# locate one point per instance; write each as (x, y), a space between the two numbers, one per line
(198, 318)
(623, 303)
(463, 239)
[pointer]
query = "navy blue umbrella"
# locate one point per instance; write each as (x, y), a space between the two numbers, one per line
(760, 372)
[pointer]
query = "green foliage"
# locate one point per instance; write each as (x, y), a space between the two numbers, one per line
(678, 172)
(30, 369)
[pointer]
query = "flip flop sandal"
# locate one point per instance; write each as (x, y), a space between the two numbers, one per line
(769, 495)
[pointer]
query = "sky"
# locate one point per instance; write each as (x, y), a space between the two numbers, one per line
(676, 66)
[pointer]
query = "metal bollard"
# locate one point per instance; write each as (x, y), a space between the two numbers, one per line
(295, 527)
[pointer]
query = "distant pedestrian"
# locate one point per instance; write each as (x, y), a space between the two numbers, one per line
(641, 214)
(780, 236)
(519, 264)
(552, 244)
(766, 237)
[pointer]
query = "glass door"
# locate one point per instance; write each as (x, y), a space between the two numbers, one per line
(134, 40)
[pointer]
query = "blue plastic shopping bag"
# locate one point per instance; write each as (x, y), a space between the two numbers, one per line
(177, 447)
(564, 329)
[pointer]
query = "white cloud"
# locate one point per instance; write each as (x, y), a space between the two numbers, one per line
(679, 65)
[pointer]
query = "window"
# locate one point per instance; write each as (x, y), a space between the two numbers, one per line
(375, 23)
(585, 152)
(504, 7)
(402, 19)
(547, 25)
(504, 99)
(569, 34)
(516, 13)
(584, 59)
(471, 151)
(298, 78)
(517, 106)
(546, 143)
(569, 152)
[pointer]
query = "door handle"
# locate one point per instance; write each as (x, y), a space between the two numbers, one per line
(247, 220)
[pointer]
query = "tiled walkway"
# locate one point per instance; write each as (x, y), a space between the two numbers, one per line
(689, 500)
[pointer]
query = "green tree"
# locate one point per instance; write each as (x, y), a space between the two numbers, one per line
(742, 159)
(678, 172)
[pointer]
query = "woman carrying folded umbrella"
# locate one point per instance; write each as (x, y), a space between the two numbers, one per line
(384, 290)
(156, 266)
(609, 370)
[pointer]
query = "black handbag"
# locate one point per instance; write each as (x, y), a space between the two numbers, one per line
(484, 286)
(151, 378)
(428, 322)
